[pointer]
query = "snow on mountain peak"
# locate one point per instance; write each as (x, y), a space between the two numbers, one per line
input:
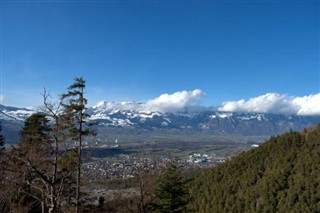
(11, 113)
(100, 104)
(113, 105)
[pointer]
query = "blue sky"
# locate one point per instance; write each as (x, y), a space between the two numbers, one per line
(138, 50)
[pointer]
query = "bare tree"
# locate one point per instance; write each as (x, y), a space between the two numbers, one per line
(147, 180)
(140, 202)
(38, 171)
(61, 157)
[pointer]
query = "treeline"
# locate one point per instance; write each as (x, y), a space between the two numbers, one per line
(282, 175)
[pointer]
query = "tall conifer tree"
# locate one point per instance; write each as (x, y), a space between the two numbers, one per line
(74, 106)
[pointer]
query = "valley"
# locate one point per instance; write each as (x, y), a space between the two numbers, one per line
(118, 160)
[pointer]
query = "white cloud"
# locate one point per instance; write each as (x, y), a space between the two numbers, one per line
(267, 103)
(174, 102)
(308, 105)
(164, 103)
(1, 98)
(276, 103)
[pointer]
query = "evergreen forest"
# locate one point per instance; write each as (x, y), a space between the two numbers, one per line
(282, 175)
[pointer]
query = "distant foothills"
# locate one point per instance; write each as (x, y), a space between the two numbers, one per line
(131, 119)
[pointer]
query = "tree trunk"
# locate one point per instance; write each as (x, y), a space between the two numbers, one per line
(52, 200)
(79, 155)
(42, 207)
(78, 177)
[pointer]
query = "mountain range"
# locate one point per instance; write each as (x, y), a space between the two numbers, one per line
(134, 117)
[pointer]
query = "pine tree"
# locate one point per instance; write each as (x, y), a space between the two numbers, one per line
(172, 193)
(34, 134)
(74, 106)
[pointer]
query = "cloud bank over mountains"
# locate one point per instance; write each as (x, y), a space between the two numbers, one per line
(268, 103)
(164, 103)
(277, 104)
(174, 102)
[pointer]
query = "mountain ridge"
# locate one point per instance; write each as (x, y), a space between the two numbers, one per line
(194, 119)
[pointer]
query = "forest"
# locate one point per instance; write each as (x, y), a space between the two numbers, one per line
(282, 175)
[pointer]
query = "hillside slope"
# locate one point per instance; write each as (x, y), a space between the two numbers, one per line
(282, 175)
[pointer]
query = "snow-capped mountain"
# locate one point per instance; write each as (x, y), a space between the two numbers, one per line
(12, 120)
(196, 119)
(14, 113)
(200, 119)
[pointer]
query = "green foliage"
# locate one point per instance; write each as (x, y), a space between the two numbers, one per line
(74, 106)
(68, 161)
(172, 193)
(35, 131)
(282, 175)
